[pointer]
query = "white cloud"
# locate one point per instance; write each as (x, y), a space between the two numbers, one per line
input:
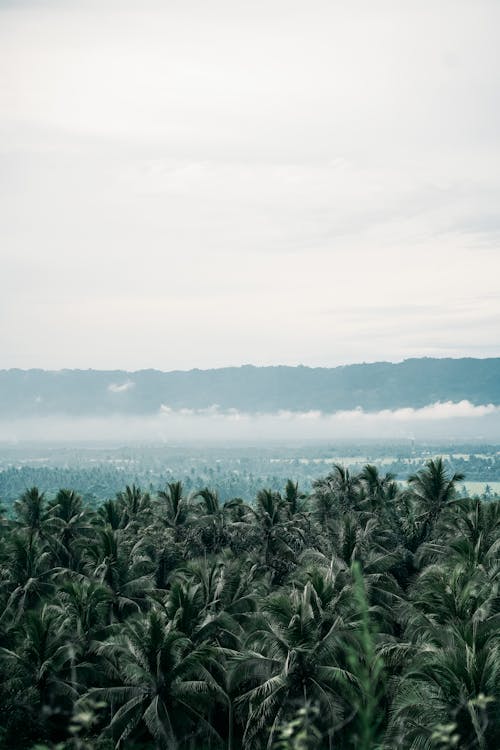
(121, 387)
(440, 410)
(446, 420)
(433, 412)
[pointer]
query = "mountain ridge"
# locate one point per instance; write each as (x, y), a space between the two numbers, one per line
(414, 382)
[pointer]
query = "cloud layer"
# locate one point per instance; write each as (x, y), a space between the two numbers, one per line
(460, 421)
(204, 184)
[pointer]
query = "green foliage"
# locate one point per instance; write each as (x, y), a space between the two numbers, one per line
(299, 733)
(358, 617)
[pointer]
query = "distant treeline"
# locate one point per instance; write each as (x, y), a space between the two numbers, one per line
(102, 481)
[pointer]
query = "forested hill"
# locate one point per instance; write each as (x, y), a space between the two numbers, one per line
(382, 385)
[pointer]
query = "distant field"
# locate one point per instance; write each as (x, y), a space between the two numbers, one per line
(478, 488)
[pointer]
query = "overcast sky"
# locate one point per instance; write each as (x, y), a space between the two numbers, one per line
(199, 184)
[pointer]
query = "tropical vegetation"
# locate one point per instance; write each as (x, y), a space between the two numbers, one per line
(363, 615)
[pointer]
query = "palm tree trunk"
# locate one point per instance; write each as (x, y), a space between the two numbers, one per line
(230, 728)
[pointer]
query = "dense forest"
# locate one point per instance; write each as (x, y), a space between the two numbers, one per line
(102, 481)
(361, 615)
(98, 472)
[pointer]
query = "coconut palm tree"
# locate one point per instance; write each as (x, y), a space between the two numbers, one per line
(82, 605)
(449, 657)
(211, 600)
(210, 525)
(294, 499)
(281, 539)
(432, 489)
(133, 502)
(381, 491)
(26, 575)
(175, 509)
(336, 493)
(161, 684)
(110, 513)
(443, 686)
(38, 672)
(31, 513)
(123, 569)
(70, 527)
(288, 661)
(470, 535)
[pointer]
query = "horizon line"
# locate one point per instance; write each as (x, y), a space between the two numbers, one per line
(248, 365)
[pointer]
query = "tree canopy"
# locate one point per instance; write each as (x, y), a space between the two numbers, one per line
(362, 615)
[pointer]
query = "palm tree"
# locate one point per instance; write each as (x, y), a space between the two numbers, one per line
(211, 521)
(70, 527)
(449, 657)
(357, 537)
(287, 662)
(27, 574)
(443, 686)
(175, 509)
(281, 539)
(110, 513)
(470, 533)
(31, 512)
(432, 489)
(162, 684)
(336, 493)
(123, 569)
(381, 491)
(133, 502)
(211, 600)
(82, 605)
(294, 499)
(38, 671)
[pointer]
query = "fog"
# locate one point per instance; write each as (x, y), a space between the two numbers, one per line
(446, 420)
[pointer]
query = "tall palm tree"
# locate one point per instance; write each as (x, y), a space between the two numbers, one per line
(334, 494)
(26, 575)
(82, 605)
(281, 538)
(162, 685)
(110, 513)
(381, 491)
(211, 600)
(432, 489)
(288, 661)
(443, 686)
(133, 502)
(448, 658)
(470, 534)
(38, 671)
(31, 512)
(211, 526)
(123, 569)
(175, 509)
(70, 527)
(294, 499)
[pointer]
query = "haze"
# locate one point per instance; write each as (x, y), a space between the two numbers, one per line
(443, 421)
(204, 184)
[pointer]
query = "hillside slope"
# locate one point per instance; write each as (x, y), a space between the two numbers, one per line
(381, 385)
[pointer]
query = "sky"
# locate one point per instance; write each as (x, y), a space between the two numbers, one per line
(203, 184)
